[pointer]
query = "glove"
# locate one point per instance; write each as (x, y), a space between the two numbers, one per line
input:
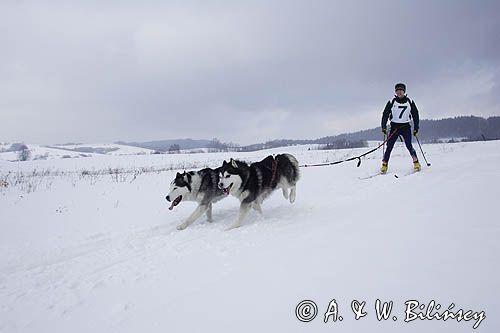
(384, 130)
(415, 132)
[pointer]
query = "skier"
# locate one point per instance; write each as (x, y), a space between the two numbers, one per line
(400, 110)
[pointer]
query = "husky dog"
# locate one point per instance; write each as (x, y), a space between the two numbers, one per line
(251, 184)
(200, 186)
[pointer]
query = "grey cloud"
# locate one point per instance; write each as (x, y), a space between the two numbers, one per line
(240, 71)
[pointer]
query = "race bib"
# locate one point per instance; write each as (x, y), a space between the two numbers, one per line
(401, 112)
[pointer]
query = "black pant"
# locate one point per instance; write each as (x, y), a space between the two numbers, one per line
(405, 132)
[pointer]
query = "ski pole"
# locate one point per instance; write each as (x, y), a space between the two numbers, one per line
(418, 141)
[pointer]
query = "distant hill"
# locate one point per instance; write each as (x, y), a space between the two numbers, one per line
(458, 128)
(462, 128)
(469, 128)
(164, 145)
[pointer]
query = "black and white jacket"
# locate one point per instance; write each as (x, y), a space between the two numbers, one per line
(400, 111)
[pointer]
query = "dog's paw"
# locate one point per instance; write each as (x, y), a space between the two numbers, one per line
(182, 226)
(234, 226)
(293, 194)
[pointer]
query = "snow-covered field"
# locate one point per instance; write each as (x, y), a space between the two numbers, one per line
(41, 152)
(88, 245)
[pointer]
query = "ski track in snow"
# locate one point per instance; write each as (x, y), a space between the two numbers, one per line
(105, 256)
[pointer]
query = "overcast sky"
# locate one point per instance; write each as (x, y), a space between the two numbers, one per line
(242, 71)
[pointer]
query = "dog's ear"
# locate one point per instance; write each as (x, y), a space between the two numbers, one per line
(234, 164)
(224, 163)
(178, 175)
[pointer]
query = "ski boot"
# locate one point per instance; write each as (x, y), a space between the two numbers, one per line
(383, 169)
(416, 166)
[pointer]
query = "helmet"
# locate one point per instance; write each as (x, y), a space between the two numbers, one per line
(400, 86)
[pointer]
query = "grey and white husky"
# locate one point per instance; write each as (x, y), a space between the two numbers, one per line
(200, 186)
(251, 184)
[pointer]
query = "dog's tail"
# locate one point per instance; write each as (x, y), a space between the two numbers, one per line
(289, 168)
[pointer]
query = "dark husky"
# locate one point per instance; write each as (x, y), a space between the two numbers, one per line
(251, 184)
(200, 186)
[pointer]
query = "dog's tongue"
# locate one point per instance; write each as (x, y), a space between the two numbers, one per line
(175, 202)
(227, 189)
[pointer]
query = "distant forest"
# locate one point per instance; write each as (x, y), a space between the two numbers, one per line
(465, 128)
(469, 128)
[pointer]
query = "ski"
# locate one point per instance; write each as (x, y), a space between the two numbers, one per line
(388, 173)
(372, 176)
(406, 174)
